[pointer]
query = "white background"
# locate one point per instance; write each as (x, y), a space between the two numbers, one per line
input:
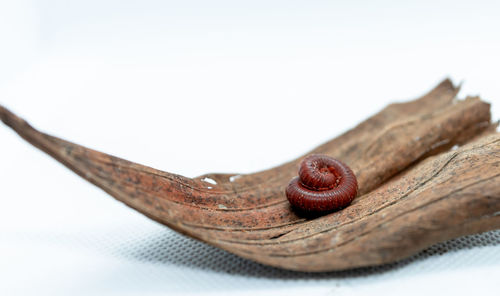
(214, 86)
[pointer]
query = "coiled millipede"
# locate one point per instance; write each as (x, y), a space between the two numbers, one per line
(324, 184)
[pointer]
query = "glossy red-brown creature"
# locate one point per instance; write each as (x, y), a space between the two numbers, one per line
(324, 184)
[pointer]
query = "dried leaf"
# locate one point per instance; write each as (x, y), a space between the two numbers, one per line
(408, 199)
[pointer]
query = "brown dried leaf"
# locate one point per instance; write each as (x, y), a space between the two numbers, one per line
(428, 199)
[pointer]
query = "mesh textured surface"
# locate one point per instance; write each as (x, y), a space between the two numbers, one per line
(148, 259)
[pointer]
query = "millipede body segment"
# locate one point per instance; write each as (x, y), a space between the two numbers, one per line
(324, 184)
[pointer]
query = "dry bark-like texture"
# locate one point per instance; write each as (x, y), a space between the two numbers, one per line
(408, 198)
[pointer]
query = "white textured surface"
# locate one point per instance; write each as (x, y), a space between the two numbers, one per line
(144, 258)
(197, 86)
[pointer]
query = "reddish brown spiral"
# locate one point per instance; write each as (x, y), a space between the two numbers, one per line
(324, 184)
